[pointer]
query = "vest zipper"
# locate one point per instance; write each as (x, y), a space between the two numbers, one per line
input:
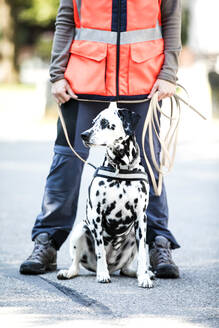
(118, 50)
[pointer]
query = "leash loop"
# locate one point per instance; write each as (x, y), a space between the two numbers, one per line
(67, 138)
(169, 142)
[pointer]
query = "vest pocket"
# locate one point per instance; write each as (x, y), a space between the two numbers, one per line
(86, 67)
(145, 62)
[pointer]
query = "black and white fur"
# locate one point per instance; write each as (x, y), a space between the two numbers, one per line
(114, 231)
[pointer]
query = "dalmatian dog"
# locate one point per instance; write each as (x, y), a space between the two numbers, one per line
(113, 235)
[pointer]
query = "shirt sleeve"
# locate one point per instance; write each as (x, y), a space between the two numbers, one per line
(64, 34)
(171, 30)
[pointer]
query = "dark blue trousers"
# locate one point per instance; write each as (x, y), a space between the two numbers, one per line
(61, 193)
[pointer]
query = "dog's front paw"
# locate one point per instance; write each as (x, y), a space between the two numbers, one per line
(103, 277)
(64, 274)
(145, 281)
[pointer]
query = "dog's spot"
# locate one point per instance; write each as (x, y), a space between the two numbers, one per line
(127, 205)
(140, 233)
(113, 127)
(110, 208)
(124, 192)
(109, 179)
(120, 196)
(134, 153)
(101, 183)
(74, 247)
(118, 257)
(145, 219)
(119, 214)
(128, 220)
(95, 225)
(104, 201)
(112, 184)
(104, 124)
(94, 233)
(128, 183)
(133, 243)
(137, 243)
(97, 193)
(125, 245)
(136, 225)
(98, 219)
(84, 258)
(98, 208)
(136, 200)
(143, 189)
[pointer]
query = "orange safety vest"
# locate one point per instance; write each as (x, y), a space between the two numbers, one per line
(117, 51)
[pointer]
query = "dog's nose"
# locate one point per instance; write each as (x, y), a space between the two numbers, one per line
(85, 136)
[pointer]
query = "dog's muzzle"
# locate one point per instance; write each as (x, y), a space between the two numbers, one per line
(85, 136)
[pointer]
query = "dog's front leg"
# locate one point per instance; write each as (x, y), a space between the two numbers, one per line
(143, 272)
(75, 252)
(97, 233)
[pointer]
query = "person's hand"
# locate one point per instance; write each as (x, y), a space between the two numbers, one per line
(62, 91)
(165, 89)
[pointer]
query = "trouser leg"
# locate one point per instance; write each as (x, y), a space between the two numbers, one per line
(59, 205)
(157, 211)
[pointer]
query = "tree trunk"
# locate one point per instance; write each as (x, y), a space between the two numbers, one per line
(8, 60)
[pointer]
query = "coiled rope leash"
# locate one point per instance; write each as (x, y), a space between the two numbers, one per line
(152, 123)
(168, 142)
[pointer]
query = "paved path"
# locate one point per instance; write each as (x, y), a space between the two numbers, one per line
(43, 301)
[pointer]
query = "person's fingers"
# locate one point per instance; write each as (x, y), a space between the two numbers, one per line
(62, 96)
(65, 97)
(165, 94)
(70, 91)
(161, 95)
(60, 100)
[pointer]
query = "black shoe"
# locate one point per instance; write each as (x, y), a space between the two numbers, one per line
(161, 259)
(43, 257)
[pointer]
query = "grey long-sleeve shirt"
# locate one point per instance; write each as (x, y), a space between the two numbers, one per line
(64, 34)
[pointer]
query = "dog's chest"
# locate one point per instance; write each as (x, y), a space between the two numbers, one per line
(117, 204)
(112, 197)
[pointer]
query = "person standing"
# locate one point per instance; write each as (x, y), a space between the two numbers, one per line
(106, 51)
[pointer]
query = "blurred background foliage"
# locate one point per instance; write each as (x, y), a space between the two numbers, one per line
(26, 29)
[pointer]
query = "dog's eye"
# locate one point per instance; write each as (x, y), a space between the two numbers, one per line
(104, 123)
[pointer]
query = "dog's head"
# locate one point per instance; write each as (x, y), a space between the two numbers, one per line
(109, 126)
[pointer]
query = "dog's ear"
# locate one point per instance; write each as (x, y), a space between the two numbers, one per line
(129, 119)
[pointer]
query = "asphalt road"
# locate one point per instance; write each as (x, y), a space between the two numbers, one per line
(43, 301)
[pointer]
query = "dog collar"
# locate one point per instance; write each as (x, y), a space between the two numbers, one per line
(108, 172)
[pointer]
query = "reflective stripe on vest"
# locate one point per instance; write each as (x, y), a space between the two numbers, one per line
(90, 34)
